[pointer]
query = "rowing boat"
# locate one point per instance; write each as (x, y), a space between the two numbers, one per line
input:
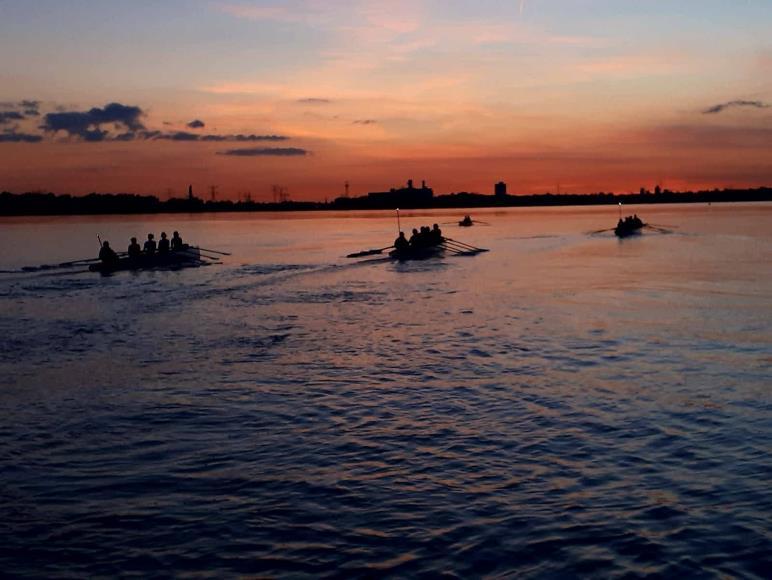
(187, 256)
(420, 253)
(626, 229)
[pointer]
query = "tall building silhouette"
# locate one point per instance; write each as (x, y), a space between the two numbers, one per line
(409, 196)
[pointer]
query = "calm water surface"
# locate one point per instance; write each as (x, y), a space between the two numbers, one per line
(564, 405)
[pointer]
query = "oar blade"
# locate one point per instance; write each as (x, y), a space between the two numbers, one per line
(469, 252)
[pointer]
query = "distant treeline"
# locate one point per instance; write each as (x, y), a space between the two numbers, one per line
(129, 203)
(125, 203)
(465, 199)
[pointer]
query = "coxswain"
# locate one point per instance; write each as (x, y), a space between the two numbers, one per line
(150, 245)
(134, 249)
(107, 254)
(163, 244)
(401, 244)
(176, 241)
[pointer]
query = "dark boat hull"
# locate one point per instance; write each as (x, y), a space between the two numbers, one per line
(178, 259)
(627, 231)
(417, 253)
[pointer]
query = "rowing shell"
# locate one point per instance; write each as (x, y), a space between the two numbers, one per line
(188, 256)
(628, 230)
(423, 253)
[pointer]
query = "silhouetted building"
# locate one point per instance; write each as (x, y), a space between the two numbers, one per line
(658, 190)
(409, 196)
(500, 189)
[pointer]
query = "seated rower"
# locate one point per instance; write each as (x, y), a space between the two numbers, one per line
(176, 241)
(426, 236)
(415, 239)
(107, 254)
(436, 235)
(401, 244)
(150, 245)
(134, 249)
(163, 244)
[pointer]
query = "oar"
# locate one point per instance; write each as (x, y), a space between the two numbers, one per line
(200, 253)
(195, 250)
(601, 231)
(83, 261)
(658, 229)
(454, 249)
(466, 245)
(369, 252)
(460, 250)
(462, 247)
(193, 254)
(216, 252)
(78, 262)
(661, 225)
(481, 222)
(451, 244)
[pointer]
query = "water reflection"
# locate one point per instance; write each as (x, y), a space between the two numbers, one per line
(562, 405)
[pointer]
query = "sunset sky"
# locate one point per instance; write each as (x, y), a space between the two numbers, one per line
(588, 95)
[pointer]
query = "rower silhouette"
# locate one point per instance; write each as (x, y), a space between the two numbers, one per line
(150, 245)
(107, 254)
(134, 249)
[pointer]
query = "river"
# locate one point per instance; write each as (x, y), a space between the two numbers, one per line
(566, 404)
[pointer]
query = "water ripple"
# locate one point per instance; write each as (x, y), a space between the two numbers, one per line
(530, 415)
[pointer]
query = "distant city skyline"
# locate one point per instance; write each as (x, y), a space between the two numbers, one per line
(587, 96)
